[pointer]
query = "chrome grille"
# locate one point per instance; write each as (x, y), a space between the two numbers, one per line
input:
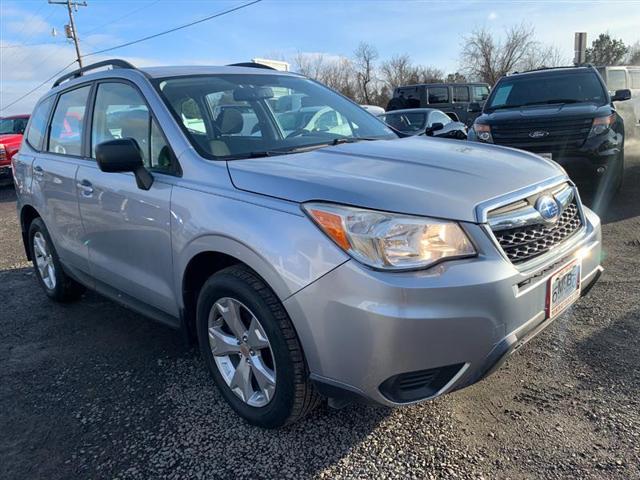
(527, 236)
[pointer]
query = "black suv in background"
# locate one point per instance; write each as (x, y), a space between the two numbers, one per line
(565, 114)
(463, 100)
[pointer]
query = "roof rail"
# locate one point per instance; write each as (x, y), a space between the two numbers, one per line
(251, 65)
(114, 63)
(587, 65)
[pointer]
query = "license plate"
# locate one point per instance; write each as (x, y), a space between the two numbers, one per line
(547, 155)
(563, 289)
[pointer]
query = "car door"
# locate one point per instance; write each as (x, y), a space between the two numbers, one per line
(127, 228)
(439, 97)
(461, 99)
(54, 176)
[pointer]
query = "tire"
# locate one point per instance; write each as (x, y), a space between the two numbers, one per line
(57, 284)
(294, 395)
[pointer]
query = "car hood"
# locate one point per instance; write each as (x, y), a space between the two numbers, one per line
(546, 111)
(11, 138)
(431, 177)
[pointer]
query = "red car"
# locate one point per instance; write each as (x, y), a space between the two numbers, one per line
(11, 130)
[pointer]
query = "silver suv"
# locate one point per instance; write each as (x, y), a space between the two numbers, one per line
(310, 251)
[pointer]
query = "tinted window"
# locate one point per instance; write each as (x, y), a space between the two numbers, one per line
(12, 125)
(460, 94)
(65, 136)
(616, 80)
(547, 89)
(241, 114)
(121, 112)
(38, 125)
(438, 94)
(439, 117)
(411, 122)
(479, 93)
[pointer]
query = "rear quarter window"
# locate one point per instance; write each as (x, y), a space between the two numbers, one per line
(38, 126)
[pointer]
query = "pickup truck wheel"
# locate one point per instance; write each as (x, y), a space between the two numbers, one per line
(251, 349)
(55, 282)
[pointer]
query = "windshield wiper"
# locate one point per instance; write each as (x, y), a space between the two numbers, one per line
(555, 100)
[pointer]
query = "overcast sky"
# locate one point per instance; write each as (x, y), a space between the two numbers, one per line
(431, 32)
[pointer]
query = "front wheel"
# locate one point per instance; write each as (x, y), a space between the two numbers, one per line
(251, 349)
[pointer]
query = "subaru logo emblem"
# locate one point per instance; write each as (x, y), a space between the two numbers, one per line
(538, 134)
(548, 208)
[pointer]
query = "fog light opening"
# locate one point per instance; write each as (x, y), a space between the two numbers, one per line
(601, 170)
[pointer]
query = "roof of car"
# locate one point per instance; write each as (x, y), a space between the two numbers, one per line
(542, 71)
(185, 70)
(20, 115)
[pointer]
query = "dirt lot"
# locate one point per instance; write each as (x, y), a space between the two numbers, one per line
(91, 390)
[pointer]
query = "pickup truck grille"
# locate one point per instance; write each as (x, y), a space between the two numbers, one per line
(560, 134)
(523, 243)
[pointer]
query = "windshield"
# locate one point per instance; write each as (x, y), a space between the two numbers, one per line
(547, 89)
(12, 125)
(238, 116)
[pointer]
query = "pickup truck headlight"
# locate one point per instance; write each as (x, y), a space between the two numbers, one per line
(483, 132)
(390, 241)
(602, 124)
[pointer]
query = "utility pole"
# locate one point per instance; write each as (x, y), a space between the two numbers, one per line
(70, 29)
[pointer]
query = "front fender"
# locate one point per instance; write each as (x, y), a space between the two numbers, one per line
(282, 245)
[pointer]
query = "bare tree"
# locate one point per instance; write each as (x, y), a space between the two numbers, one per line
(335, 72)
(364, 62)
(456, 77)
(397, 71)
(485, 58)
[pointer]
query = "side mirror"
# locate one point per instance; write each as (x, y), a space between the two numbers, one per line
(621, 95)
(433, 128)
(123, 155)
(474, 107)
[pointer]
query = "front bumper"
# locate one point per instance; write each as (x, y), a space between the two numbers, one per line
(360, 328)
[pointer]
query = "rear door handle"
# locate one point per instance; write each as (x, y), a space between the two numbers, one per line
(86, 187)
(38, 171)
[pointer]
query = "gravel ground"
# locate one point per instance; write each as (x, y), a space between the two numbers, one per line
(91, 390)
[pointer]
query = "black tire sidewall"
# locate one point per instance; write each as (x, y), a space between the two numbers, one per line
(278, 410)
(57, 293)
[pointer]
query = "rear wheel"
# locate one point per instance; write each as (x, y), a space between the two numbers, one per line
(252, 350)
(55, 282)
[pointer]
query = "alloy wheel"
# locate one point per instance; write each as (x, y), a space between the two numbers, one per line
(44, 260)
(242, 352)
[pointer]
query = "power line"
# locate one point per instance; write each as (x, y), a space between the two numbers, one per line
(38, 87)
(210, 17)
(117, 19)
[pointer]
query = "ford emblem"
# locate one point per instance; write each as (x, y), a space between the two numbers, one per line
(538, 134)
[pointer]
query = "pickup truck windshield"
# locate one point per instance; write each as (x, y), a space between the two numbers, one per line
(546, 90)
(231, 116)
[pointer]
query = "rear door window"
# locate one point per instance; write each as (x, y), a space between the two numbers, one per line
(460, 94)
(635, 78)
(438, 94)
(38, 125)
(67, 126)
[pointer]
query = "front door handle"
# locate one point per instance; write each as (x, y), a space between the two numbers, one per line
(86, 187)
(38, 172)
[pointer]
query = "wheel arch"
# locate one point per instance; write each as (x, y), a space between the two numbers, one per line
(27, 215)
(208, 255)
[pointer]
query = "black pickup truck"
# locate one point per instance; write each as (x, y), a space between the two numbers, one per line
(564, 114)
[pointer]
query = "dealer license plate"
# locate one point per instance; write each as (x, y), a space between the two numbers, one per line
(563, 289)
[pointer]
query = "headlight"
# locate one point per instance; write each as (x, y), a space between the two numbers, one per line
(601, 124)
(483, 132)
(390, 241)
